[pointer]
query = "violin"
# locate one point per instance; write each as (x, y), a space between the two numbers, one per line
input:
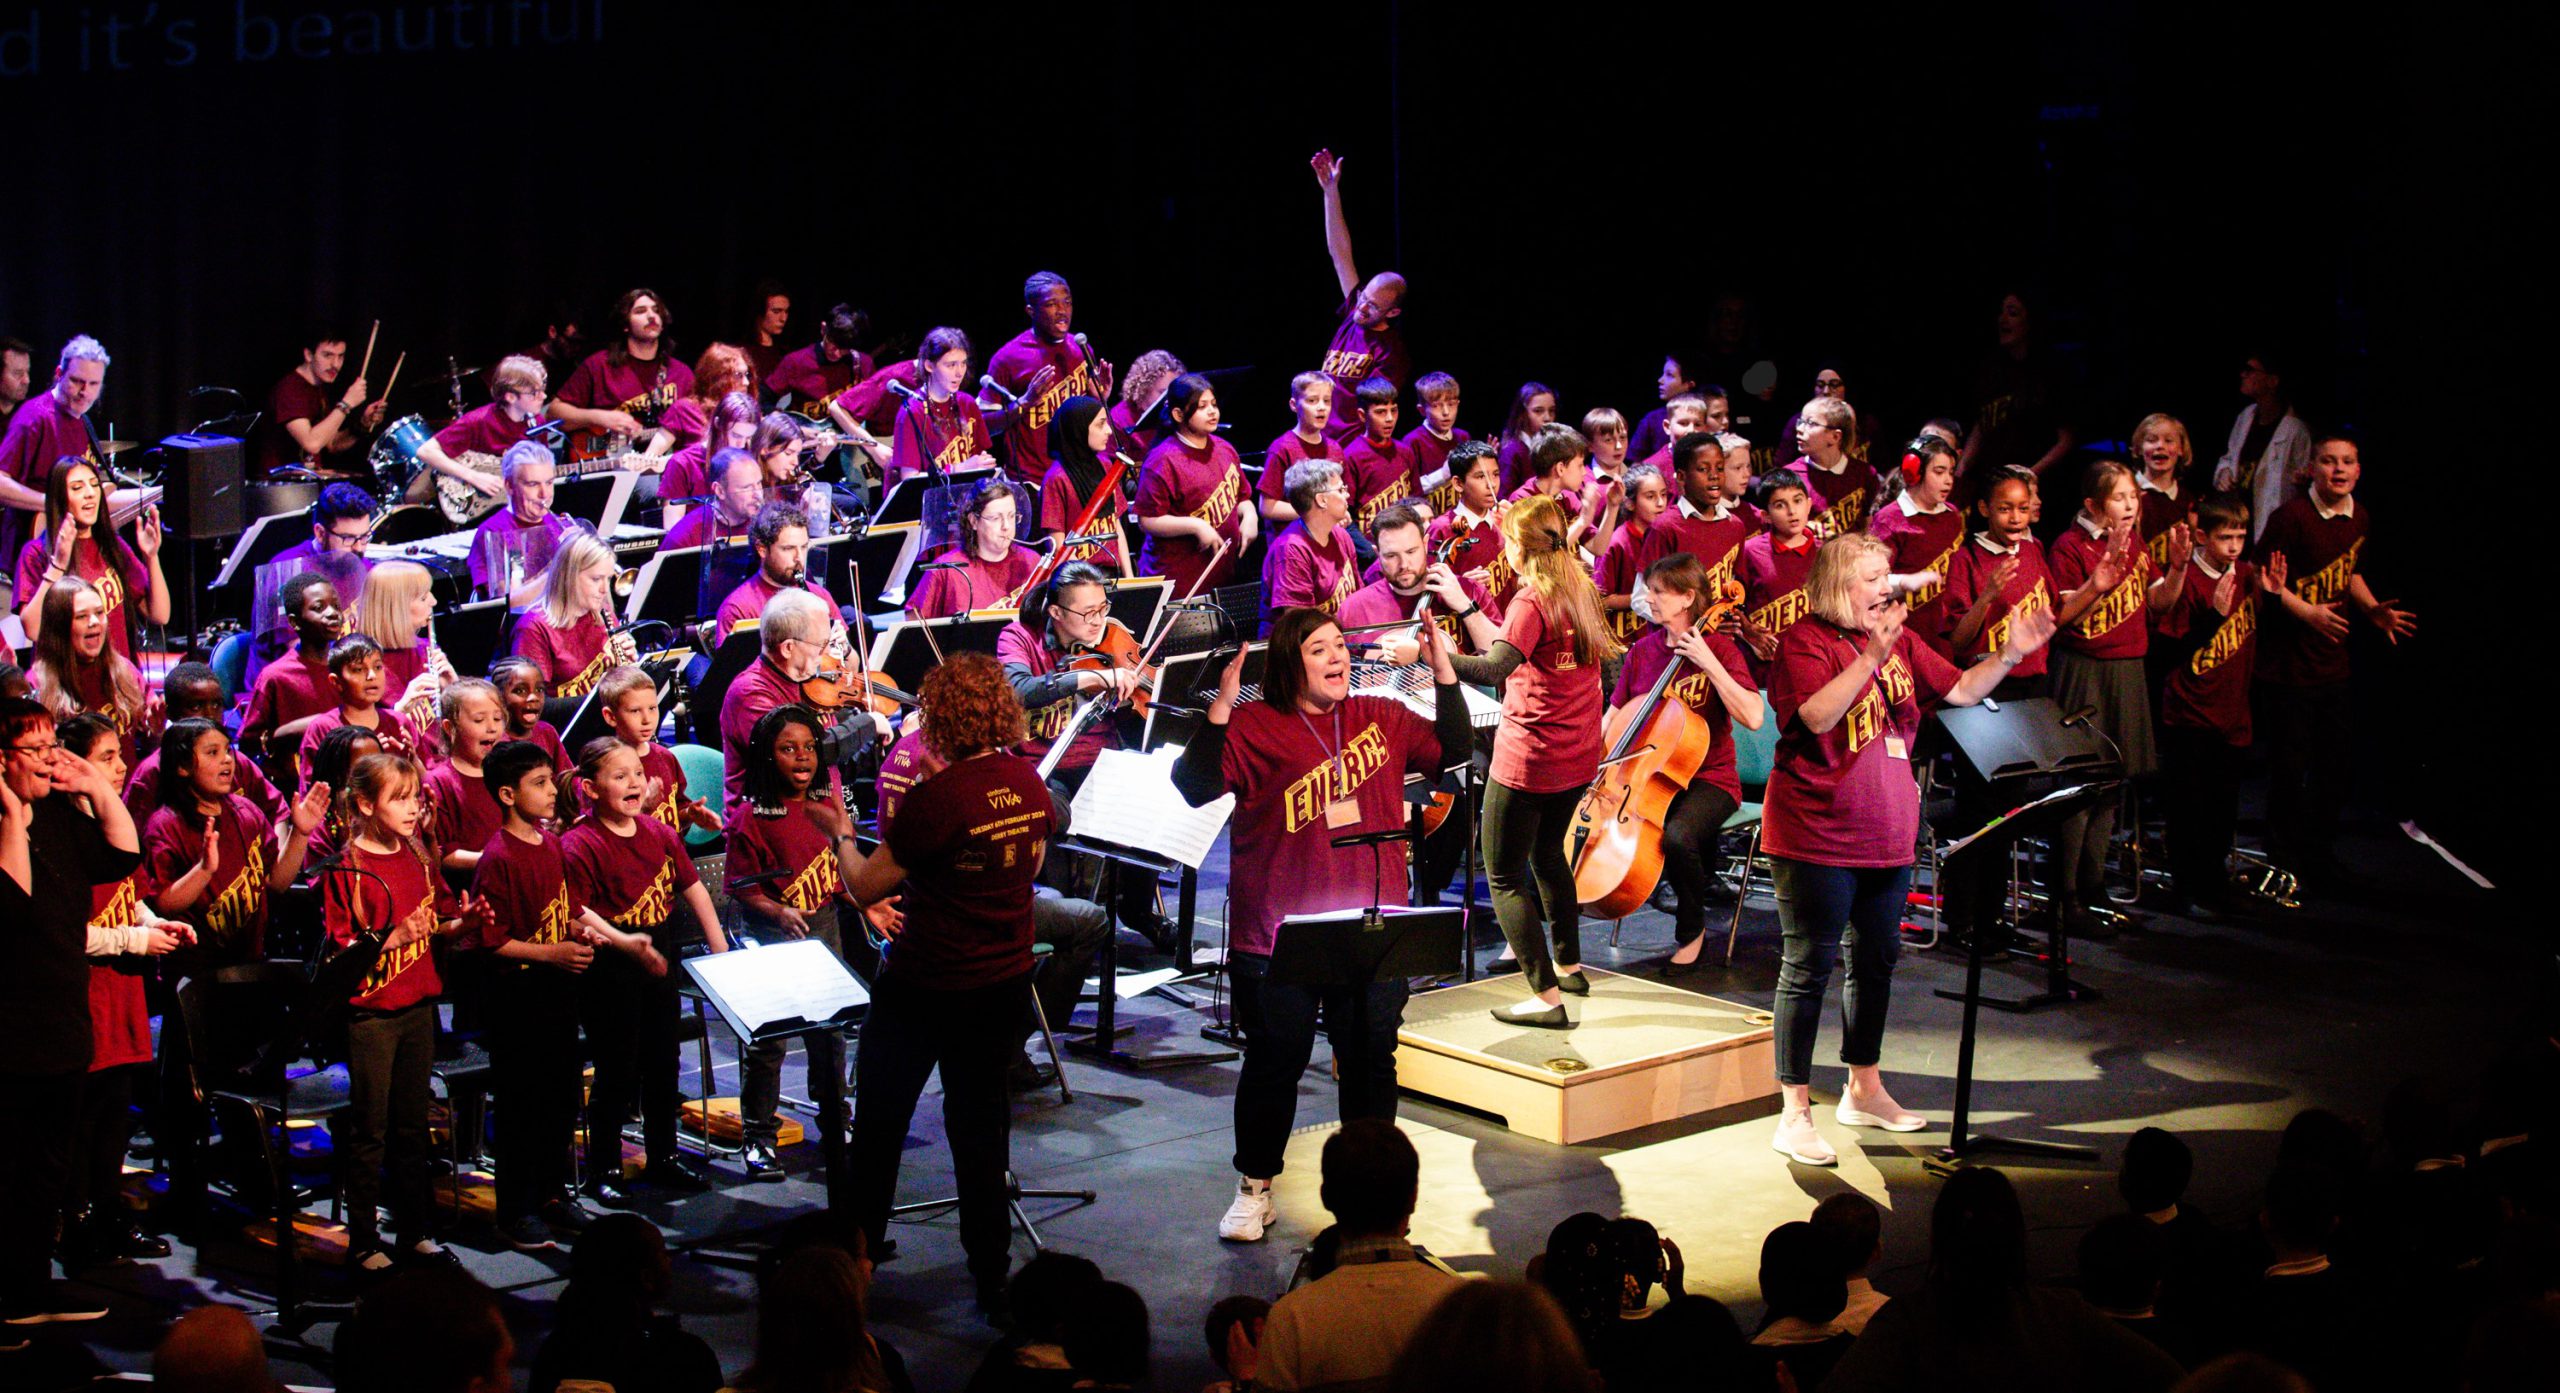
(1118, 650)
(831, 692)
(1655, 747)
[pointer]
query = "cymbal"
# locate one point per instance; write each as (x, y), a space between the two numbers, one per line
(117, 447)
(456, 374)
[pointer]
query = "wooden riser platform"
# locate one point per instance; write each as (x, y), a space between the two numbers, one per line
(1642, 1052)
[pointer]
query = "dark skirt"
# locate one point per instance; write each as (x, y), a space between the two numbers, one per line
(2119, 690)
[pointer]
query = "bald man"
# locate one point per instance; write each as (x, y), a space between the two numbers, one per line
(213, 1349)
(1366, 344)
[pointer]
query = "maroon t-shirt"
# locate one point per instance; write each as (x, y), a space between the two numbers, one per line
(2030, 589)
(119, 1014)
(685, 422)
(2160, 512)
(2213, 654)
(483, 430)
(1716, 542)
(744, 607)
(287, 690)
(1840, 501)
(390, 727)
(2321, 555)
(1379, 477)
(1518, 463)
(930, 435)
(1205, 483)
(537, 540)
(461, 811)
(1357, 354)
(1646, 659)
(685, 475)
(1480, 548)
(1061, 505)
(142, 790)
(527, 887)
(573, 660)
(970, 840)
(40, 432)
(978, 584)
(1026, 441)
(1287, 450)
(1378, 603)
(230, 917)
(116, 584)
(1773, 578)
(908, 763)
(812, 381)
(1297, 571)
(701, 527)
(352, 902)
(2118, 623)
(633, 880)
(1847, 797)
(643, 389)
(1550, 735)
(1631, 548)
(293, 398)
(1923, 542)
(1020, 645)
(1430, 456)
(788, 841)
(1286, 768)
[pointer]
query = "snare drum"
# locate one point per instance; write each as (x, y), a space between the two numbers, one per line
(394, 455)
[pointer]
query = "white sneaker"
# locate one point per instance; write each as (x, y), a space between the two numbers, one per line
(1245, 1219)
(1797, 1141)
(1877, 1110)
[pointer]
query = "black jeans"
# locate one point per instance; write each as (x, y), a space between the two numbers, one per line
(1279, 1021)
(2201, 786)
(1532, 881)
(105, 1130)
(631, 1020)
(1075, 931)
(35, 1170)
(760, 1073)
(533, 1048)
(391, 1057)
(1689, 829)
(969, 1033)
(2309, 769)
(1819, 909)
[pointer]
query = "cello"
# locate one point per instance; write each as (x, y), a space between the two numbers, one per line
(1654, 748)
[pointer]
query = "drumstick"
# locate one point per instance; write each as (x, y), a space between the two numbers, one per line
(395, 376)
(368, 348)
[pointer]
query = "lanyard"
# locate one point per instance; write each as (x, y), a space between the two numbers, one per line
(1333, 756)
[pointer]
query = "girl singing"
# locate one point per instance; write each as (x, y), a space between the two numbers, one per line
(73, 543)
(944, 429)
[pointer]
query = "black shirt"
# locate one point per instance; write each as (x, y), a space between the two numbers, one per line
(44, 937)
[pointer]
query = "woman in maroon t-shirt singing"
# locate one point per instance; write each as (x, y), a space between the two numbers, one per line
(1555, 637)
(1309, 763)
(1843, 810)
(943, 429)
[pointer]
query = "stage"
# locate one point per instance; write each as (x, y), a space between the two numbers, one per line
(2219, 1032)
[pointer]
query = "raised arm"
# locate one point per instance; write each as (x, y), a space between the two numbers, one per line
(1337, 233)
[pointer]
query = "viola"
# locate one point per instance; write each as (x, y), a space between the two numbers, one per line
(1655, 747)
(831, 692)
(1118, 651)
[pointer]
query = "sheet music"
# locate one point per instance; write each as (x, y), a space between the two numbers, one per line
(1129, 799)
(1986, 829)
(757, 986)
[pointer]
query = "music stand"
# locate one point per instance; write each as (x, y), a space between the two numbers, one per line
(783, 991)
(469, 635)
(904, 502)
(875, 555)
(1128, 814)
(404, 523)
(734, 656)
(593, 497)
(901, 652)
(266, 538)
(1357, 947)
(2024, 744)
(1995, 838)
(1187, 685)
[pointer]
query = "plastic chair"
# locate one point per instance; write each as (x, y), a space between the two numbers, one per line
(1755, 752)
(704, 776)
(231, 664)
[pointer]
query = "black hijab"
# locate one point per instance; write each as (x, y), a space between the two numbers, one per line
(1067, 431)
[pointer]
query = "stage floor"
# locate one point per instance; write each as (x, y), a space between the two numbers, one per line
(2221, 1032)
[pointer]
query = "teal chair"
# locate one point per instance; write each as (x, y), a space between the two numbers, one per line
(231, 664)
(1754, 751)
(703, 775)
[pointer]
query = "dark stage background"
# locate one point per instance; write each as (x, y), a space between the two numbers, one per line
(2174, 185)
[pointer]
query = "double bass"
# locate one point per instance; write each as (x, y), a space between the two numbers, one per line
(1655, 746)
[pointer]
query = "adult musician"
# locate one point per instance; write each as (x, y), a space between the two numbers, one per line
(986, 567)
(526, 527)
(1308, 763)
(1061, 620)
(310, 419)
(1714, 682)
(686, 481)
(514, 409)
(737, 491)
(773, 319)
(1410, 575)
(74, 542)
(722, 369)
(43, 432)
(341, 527)
(565, 634)
(1366, 342)
(17, 369)
(1849, 686)
(1042, 367)
(622, 389)
(780, 536)
(794, 635)
(1080, 435)
(966, 847)
(821, 379)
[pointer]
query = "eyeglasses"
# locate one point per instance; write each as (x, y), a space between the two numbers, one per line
(45, 749)
(1094, 613)
(353, 539)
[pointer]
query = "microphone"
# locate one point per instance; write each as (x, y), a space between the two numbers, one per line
(1352, 839)
(943, 566)
(1079, 541)
(2079, 717)
(1084, 346)
(988, 381)
(903, 390)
